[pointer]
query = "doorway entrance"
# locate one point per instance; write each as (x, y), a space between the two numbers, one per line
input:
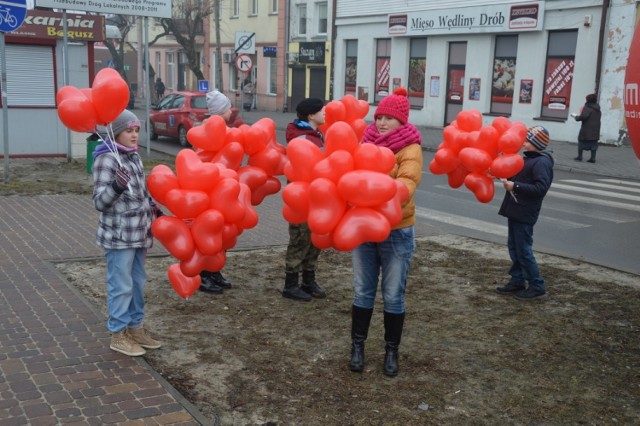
(455, 81)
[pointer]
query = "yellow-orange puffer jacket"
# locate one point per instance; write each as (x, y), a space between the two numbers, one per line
(408, 169)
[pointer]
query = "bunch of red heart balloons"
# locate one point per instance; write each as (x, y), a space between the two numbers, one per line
(81, 110)
(349, 110)
(344, 194)
(212, 195)
(473, 154)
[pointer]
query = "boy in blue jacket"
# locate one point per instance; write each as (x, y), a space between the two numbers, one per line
(521, 206)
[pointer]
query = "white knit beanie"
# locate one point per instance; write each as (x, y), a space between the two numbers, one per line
(217, 103)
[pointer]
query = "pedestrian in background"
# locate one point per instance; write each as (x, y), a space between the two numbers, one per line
(302, 255)
(589, 128)
(390, 259)
(521, 206)
(159, 89)
(124, 232)
(213, 281)
(247, 94)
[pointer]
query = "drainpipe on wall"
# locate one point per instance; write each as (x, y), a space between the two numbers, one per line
(603, 25)
(287, 5)
(333, 49)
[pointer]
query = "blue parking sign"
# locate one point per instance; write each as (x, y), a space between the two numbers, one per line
(12, 14)
(203, 85)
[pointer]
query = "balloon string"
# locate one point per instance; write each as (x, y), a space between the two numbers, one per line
(113, 149)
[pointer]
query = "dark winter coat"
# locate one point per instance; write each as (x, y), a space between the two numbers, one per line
(590, 117)
(531, 185)
(302, 129)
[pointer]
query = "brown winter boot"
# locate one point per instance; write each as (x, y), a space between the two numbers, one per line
(141, 337)
(121, 342)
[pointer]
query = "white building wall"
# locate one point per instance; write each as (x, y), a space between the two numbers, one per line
(366, 21)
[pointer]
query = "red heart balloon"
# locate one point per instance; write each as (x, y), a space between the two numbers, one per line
(507, 165)
(255, 139)
(199, 262)
(326, 207)
(475, 159)
(231, 155)
(183, 285)
(296, 198)
(271, 186)
(501, 124)
(340, 136)
(250, 218)
(456, 177)
(322, 241)
(368, 156)
(225, 197)
(110, 95)
(481, 185)
(365, 188)
(174, 235)
(78, 114)
(469, 120)
(360, 225)
(193, 173)
(160, 181)
(334, 166)
(206, 231)
(252, 176)
(446, 159)
(270, 160)
(510, 142)
(303, 155)
(186, 203)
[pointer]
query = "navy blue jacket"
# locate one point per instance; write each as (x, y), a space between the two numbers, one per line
(531, 185)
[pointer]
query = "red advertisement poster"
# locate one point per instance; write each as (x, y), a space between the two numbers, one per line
(382, 76)
(557, 83)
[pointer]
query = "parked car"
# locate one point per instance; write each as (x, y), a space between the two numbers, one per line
(176, 113)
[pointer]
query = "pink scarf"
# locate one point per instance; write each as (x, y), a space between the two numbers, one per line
(403, 136)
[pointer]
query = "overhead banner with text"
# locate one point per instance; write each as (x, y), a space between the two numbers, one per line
(150, 8)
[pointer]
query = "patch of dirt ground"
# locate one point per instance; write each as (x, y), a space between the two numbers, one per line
(468, 355)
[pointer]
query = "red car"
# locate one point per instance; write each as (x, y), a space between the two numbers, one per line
(176, 113)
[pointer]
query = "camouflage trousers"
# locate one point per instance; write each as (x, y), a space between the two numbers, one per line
(302, 255)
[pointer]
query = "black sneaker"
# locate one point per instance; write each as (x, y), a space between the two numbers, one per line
(510, 288)
(530, 294)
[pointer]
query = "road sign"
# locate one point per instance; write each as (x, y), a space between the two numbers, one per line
(203, 85)
(245, 42)
(244, 63)
(12, 14)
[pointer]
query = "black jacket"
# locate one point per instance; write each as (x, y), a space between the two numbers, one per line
(531, 185)
(590, 117)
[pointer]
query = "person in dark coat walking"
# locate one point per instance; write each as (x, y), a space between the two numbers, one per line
(590, 127)
(521, 206)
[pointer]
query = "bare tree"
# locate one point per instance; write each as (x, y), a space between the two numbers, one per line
(125, 24)
(187, 27)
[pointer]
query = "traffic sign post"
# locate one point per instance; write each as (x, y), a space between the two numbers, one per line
(12, 14)
(203, 86)
(244, 63)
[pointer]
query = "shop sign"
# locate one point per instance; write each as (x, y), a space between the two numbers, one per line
(494, 18)
(150, 8)
(44, 24)
(311, 53)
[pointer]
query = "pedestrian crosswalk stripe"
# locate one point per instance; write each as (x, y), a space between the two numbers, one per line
(591, 191)
(621, 182)
(461, 221)
(598, 201)
(615, 186)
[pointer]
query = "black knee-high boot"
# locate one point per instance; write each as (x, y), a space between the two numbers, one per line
(393, 324)
(360, 320)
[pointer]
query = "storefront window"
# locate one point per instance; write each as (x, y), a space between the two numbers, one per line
(504, 72)
(417, 71)
(351, 67)
(383, 65)
(558, 76)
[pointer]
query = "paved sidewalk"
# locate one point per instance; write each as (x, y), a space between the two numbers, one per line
(55, 363)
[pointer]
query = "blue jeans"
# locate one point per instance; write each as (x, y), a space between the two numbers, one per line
(126, 278)
(392, 257)
(523, 262)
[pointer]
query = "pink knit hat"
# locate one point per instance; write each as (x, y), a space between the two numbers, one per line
(395, 105)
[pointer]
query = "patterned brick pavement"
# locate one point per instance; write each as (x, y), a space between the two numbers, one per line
(55, 363)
